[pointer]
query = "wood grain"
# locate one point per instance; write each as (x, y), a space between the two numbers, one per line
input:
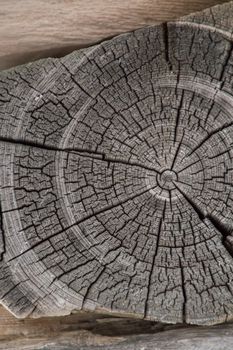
(87, 330)
(35, 29)
(115, 178)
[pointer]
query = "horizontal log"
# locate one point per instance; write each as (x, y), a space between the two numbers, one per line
(88, 330)
(34, 29)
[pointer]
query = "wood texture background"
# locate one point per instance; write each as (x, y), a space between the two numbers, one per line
(33, 29)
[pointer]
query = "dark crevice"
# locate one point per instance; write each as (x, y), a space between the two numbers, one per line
(102, 210)
(199, 212)
(153, 262)
(80, 151)
(183, 292)
(225, 230)
(128, 162)
(159, 230)
(87, 217)
(228, 244)
(209, 136)
(177, 151)
(47, 147)
(228, 55)
(166, 45)
(85, 297)
(2, 234)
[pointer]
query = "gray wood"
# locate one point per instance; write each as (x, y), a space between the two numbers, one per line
(116, 177)
(32, 30)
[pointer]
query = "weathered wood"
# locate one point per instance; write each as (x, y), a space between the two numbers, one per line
(82, 329)
(34, 29)
(116, 176)
(93, 331)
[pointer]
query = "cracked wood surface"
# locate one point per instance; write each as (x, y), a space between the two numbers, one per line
(197, 95)
(34, 29)
(85, 331)
(116, 176)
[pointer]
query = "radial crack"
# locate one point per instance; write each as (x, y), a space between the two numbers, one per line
(225, 126)
(178, 115)
(100, 211)
(166, 45)
(111, 181)
(183, 291)
(225, 231)
(80, 151)
(228, 56)
(153, 261)
(177, 152)
(2, 234)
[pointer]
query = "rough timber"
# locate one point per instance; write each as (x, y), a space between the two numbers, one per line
(116, 176)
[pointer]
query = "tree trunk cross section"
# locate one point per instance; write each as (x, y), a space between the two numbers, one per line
(116, 176)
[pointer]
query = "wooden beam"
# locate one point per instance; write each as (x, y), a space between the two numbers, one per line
(88, 330)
